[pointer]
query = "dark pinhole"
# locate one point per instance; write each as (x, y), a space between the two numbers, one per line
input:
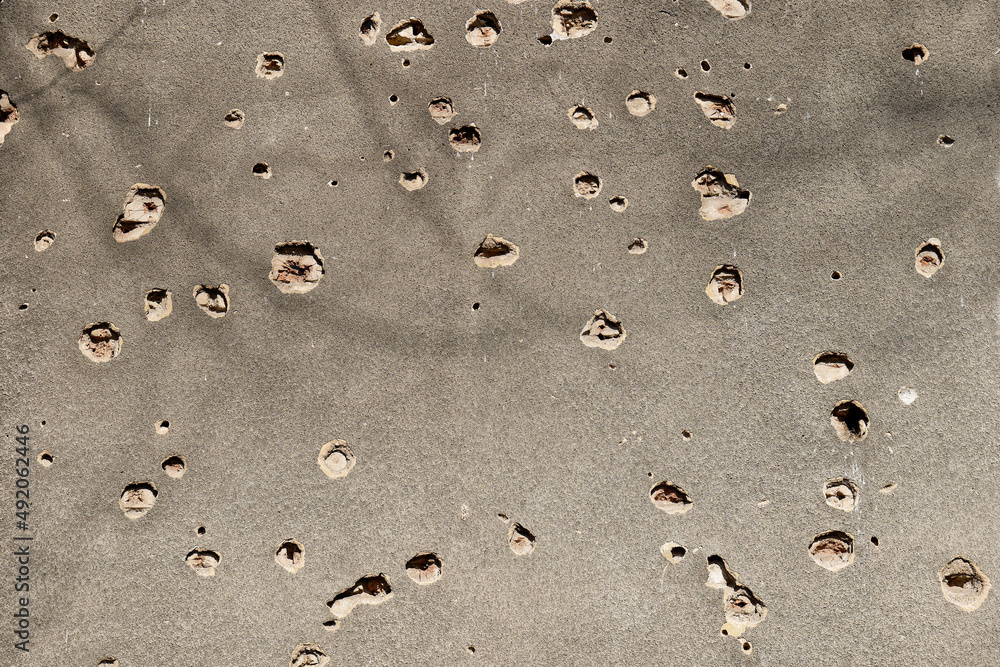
(747, 65)
(874, 540)
(475, 306)
(915, 54)
(333, 183)
(545, 40)
(43, 422)
(406, 63)
(725, 633)
(686, 434)
(681, 73)
(260, 168)
(393, 99)
(388, 155)
(33, 289)
(23, 306)
(612, 366)
(53, 17)
(608, 40)
(835, 275)
(470, 649)
(678, 552)
(649, 474)
(705, 66)
(45, 457)
(200, 530)
(945, 140)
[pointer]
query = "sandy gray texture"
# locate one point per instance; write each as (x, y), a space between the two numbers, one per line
(457, 415)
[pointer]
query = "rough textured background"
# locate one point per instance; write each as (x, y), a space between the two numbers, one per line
(456, 415)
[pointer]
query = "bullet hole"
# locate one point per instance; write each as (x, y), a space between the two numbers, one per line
(718, 109)
(945, 140)
(424, 568)
(107, 662)
(9, 116)
(53, 18)
(143, 208)
(640, 103)
(741, 607)
(721, 196)
(670, 498)
(573, 18)
(214, 301)
(832, 366)
(174, 466)
(331, 625)
(43, 422)
(618, 204)
(705, 66)
(413, 180)
(409, 35)
(334, 183)
(928, 257)
(850, 421)
(841, 493)
(45, 459)
(833, 550)
(368, 590)
(520, 540)
(603, 330)
(23, 306)
(612, 366)
(582, 118)
(336, 459)
(725, 285)
(874, 541)
(475, 306)
(261, 170)
(465, 139)
(835, 275)
(545, 40)
(308, 655)
(162, 427)
(471, 649)
(586, 185)
(270, 65)
(441, 110)
(483, 29)
(137, 499)
(100, 342)
(158, 304)
(916, 54)
(731, 9)
(747, 65)
(75, 53)
(906, 395)
(200, 530)
(686, 435)
(296, 267)
(681, 73)
(963, 583)
(290, 555)
(44, 240)
(234, 119)
(406, 62)
(608, 40)
(368, 34)
(638, 246)
(203, 562)
(495, 251)
(387, 156)
(888, 488)
(393, 99)
(746, 647)
(673, 552)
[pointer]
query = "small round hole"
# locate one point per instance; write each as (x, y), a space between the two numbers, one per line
(874, 540)
(333, 183)
(393, 99)
(747, 65)
(705, 66)
(406, 63)
(261, 170)
(200, 530)
(608, 40)
(835, 275)
(387, 156)
(725, 633)
(681, 73)
(649, 474)
(945, 140)
(545, 40)
(53, 17)
(475, 306)
(45, 459)
(471, 649)
(678, 552)
(612, 366)
(23, 306)
(43, 422)
(686, 435)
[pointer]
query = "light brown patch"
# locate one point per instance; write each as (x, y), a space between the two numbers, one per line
(137, 499)
(270, 65)
(833, 550)
(336, 459)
